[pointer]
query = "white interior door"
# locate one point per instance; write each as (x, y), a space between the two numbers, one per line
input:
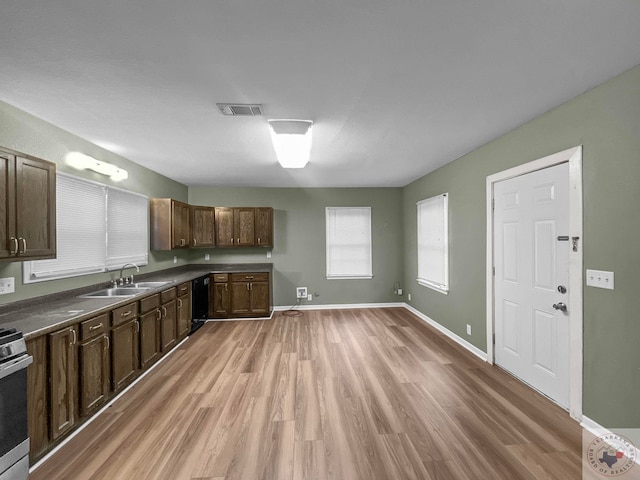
(531, 242)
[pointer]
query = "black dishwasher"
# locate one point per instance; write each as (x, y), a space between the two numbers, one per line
(200, 302)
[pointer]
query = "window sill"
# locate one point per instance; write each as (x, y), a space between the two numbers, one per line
(444, 289)
(349, 277)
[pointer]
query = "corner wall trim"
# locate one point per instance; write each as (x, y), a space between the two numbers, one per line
(459, 340)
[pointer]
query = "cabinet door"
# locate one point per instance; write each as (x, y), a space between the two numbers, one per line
(150, 338)
(224, 227)
(37, 401)
(240, 298)
(264, 227)
(168, 325)
(62, 381)
(202, 226)
(219, 307)
(260, 298)
(124, 353)
(8, 239)
(94, 373)
(36, 208)
(181, 233)
(244, 226)
(183, 316)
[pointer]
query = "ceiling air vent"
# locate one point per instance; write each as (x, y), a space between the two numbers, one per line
(240, 109)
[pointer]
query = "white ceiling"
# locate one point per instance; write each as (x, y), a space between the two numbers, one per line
(395, 88)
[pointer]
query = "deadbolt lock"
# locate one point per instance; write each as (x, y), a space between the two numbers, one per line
(562, 289)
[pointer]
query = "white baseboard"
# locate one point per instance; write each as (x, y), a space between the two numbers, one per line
(339, 306)
(596, 429)
(459, 340)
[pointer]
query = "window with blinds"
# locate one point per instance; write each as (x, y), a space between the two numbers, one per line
(433, 243)
(99, 228)
(349, 242)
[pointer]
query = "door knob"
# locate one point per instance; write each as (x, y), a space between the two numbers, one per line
(560, 306)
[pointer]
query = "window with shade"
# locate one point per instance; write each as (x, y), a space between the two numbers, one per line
(433, 243)
(349, 242)
(99, 228)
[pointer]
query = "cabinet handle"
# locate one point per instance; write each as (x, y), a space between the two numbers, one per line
(164, 311)
(95, 327)
(75, 337)
(231, 240)
(226, 287)
(159, 314)
(179, 303)
(137, 326)
(14, 242)
(258, 240)
(238, 241)
(195, 242)
(248, 287)
(23, 242)
(108, 345)
(126, 314)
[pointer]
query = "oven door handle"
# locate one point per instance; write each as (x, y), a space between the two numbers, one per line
(13, 366)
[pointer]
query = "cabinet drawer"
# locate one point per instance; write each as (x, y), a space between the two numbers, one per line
(150, 303)
(94, 326)
(250, 277)
(220, 277)
(167, 295)
(122, 314)
(184, 288)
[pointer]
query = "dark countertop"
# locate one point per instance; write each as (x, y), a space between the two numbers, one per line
(40, 315)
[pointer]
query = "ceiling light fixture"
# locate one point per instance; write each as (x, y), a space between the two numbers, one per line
(85, 162)
(291, 141)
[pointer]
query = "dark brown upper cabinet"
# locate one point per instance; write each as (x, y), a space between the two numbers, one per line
(202, 226)
(264, 227)
(27, 207)
(170, 224)
(244, 226)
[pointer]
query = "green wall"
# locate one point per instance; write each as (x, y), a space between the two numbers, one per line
(27, 134)
(606, 121)
(298, 255)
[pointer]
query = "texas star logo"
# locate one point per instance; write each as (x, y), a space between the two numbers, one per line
(611, 455)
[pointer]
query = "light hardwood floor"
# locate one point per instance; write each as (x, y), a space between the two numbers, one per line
(330, 394)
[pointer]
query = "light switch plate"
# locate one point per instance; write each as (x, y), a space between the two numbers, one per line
(600, 279)
(7, 285)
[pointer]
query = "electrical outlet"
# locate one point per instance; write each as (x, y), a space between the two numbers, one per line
(175, 259)
(468, 329)
(301, 292)
(409, 296)
(206, 256)
(309, 297)
(269, 254)
(399, 291)
(7, 285)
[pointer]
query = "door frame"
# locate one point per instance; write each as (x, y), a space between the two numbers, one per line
(572, 156)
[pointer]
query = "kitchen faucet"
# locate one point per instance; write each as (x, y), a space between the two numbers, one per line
(129, 279)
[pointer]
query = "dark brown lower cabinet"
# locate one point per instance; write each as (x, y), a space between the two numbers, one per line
(150, 331)
(124, 353)
(183, 314)
(37, 399)
(219, 299)
(62, 380)
(250, 294)
(94, 373)
(168, 331)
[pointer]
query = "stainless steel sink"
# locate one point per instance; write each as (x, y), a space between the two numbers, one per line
(147, 284)
(117, 292)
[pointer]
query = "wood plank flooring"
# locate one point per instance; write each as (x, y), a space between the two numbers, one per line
(329, 394)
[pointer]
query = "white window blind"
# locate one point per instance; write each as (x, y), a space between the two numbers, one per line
(97, 228)
(433, 243)
(348, 242)
(127, 231)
